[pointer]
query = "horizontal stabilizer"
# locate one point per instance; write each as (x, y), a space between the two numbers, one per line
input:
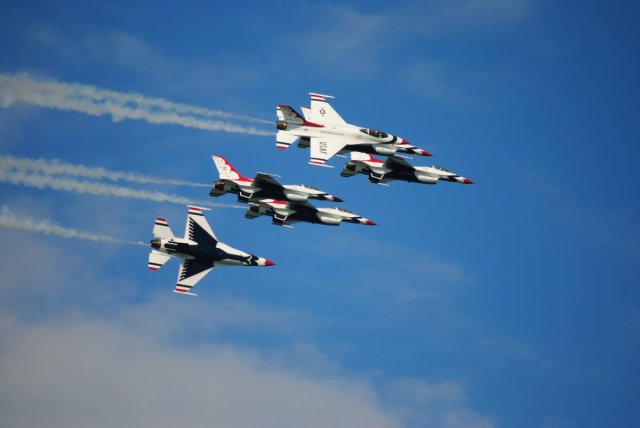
(285, 139)
(161, 229)
(157, 259)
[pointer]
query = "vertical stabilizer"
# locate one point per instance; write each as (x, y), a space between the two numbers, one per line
(226, 170)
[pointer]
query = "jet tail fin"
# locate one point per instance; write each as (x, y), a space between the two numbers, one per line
(226, 170)
(161, 229)
(289, 115)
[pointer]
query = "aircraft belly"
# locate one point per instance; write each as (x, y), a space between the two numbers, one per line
(402, 175)
(308, 217)
(204, 254)
(268, 194)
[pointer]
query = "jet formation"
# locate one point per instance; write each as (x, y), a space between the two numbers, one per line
(327, 134)
(263, 186)
(285, 204)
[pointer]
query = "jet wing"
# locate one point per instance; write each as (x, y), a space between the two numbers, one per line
(302, 206)
(323, 149)
(197, 228)
(191, 271)
(264, 181)
(396, 163)
(322, 112)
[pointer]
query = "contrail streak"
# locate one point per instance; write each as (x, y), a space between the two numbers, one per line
(39, 181)
(119, 105)
(10, 220)
(57, 167)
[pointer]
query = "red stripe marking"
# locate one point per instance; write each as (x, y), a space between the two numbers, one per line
(313, 125)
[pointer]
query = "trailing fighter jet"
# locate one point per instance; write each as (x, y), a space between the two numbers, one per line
(328, 134)
(286, 213)
(263, 186)
(396, 168)
(200, 251)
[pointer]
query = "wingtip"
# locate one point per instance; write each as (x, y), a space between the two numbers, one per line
(197, 208)
(185, 293)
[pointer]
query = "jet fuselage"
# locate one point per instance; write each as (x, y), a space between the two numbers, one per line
(205, 254)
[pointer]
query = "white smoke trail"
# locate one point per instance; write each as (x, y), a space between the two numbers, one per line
(97, 102)
(39, 181)
(55, 166)
(10, 220)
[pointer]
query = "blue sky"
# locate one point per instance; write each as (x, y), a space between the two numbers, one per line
(510, 303)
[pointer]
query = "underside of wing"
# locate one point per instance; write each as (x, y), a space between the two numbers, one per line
(305, 207)
(191, 271)
(323, 149)
(398, 164)
(322, 112)
(265, 181)
(197, 228)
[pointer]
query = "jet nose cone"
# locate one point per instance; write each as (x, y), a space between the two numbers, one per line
(424, 153)
(370, 223)
(269, 263)
(467, 181)
(337, 199)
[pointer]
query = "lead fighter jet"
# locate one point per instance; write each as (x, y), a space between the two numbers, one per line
(286, 213)
(328, 134)
(395, 168)
(263, 186)
(200, 251)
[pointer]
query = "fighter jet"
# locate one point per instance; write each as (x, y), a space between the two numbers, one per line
(200, 251)
(328, 134)
(263, 186)
(396, 168)
(285, 213)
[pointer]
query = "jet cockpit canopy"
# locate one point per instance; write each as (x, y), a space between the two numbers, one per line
(376, 133)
